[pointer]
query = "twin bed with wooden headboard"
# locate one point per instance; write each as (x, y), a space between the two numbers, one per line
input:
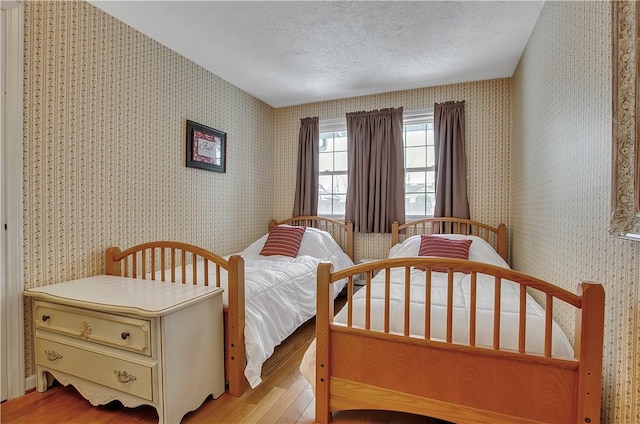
(250, 283)
(455, 339)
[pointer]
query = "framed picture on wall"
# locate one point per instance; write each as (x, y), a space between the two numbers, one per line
(206, 148)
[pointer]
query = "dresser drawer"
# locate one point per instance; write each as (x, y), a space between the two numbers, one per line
(129, 377)
(112, 330)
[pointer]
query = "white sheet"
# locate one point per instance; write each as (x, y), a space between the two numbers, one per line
(479, 251)
(280, 293)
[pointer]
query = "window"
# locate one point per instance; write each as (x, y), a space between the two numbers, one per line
(419, 164)
(332, 190)
(419, 160)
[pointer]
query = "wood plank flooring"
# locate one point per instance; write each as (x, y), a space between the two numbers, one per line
(284, 397)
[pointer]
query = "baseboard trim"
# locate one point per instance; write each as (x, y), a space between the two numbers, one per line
(29, 383)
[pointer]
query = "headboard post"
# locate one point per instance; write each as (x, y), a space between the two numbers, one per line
(113, 266)
(350, 247)
(394, 233)
(502, 241)
(588, 350)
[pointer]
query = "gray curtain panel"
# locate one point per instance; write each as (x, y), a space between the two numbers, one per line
(306, 197)
(375, 195)
(451, 162)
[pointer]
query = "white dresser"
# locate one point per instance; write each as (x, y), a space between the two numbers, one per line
(131, 340)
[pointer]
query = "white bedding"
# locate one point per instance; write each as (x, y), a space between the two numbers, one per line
(479, 251)
(280, 293)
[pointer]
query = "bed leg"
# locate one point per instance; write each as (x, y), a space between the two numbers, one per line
(588, 350)
(235, 326)
(323, 318)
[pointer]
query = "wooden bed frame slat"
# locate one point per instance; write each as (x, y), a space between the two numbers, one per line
(548, 321)
(449, 305)
(407, 300)
(522, 320)
(427, 304)
(359, 368)
(472, 308)
(497, 292)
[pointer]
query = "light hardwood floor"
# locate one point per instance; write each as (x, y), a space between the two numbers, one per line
(283, 397)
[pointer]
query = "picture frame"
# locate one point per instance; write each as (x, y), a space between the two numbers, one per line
(625, 189)
(206, 148)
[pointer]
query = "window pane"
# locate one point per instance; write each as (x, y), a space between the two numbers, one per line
(415, 204)
(339, 202)
(326, 142)
(340, 183)
(431, 201)
(324, 186)
(341, 141)
(416, 157)
(430, 135)
(431, 156)
(325, 162)
(431, 182)
(340, 161)
(415, 182)
(416, 127)
(415, 135)
(325, 203)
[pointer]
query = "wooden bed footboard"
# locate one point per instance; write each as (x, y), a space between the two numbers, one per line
(362, 368)
(181, 263)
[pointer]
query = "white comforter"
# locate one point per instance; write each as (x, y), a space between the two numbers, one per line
(479, 251)
(280, 293)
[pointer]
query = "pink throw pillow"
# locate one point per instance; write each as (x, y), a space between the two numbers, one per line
(283, 241)
(443, 248)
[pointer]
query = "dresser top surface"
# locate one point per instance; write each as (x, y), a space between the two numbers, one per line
(120, 294)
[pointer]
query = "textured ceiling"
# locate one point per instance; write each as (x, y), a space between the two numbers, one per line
(295, 52)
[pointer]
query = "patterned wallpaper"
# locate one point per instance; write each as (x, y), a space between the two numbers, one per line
(561, 184)
(105, 113)
(487, 119)
(104, 148)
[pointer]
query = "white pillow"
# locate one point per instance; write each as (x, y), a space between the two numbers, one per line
(480, 250)
(318, 243)
(254, 248)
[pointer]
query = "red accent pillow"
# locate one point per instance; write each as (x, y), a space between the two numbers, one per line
(442, 247)
(283, 241)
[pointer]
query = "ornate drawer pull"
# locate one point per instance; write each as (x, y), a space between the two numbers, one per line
(124, 335)
(45, 317)
(52, 355)
(124, 377)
